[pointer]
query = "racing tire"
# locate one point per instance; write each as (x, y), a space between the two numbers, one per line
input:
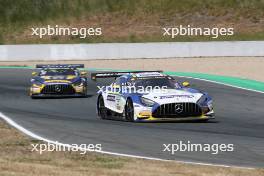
(129, 111)
(101, 109)
(85, 93)
(32, 96)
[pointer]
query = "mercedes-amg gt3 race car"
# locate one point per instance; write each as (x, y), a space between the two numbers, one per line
(151, 96)
(58, 80)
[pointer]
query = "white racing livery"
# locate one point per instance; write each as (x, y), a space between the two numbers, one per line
(151, 96)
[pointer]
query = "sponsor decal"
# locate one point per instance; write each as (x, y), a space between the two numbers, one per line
(150, 74)
(110, 98)
(147, 77)
(176, 96)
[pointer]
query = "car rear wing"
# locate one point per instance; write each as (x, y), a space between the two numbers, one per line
(74, 66)
(94, 76)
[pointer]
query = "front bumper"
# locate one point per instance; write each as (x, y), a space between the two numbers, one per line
(56, 95)
(41, 91)
(147, 114)
(153, 119)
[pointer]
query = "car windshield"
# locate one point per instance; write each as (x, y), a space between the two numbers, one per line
(160, 82)
(58, 72)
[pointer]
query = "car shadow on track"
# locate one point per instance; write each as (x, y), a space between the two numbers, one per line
(63, 97)
(182, 121)
(164, 122)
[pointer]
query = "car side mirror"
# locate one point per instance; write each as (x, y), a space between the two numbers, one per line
(185, 84)
(34, 73)
(83, 74)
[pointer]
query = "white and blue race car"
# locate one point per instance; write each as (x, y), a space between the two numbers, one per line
(150, 96)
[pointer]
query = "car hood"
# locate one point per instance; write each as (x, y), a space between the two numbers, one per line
(174, 96)
(57, 79)
(61, 77)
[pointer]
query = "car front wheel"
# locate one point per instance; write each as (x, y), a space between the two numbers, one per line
(129, 111)
(102, 110)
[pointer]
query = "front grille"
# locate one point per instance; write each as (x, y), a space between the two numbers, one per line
(58, 89)
(174, 110)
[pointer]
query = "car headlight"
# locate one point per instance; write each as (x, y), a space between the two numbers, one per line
(147, 102)
(202, 100)
(205, 100)
(36, 83)
(210, 104)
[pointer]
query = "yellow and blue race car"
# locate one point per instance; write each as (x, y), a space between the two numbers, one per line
(58, 80)
(151, 96)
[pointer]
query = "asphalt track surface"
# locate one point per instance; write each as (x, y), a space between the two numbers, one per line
(239, 121)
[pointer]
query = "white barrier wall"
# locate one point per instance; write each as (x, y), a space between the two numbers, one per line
(129, 50)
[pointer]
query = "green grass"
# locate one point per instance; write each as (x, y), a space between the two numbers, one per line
(24, 11)
(17, 15)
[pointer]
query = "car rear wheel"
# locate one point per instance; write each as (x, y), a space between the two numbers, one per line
(102, 110)
(129, 111)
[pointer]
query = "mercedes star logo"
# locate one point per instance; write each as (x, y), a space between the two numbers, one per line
(57, 88)
(178, 108)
